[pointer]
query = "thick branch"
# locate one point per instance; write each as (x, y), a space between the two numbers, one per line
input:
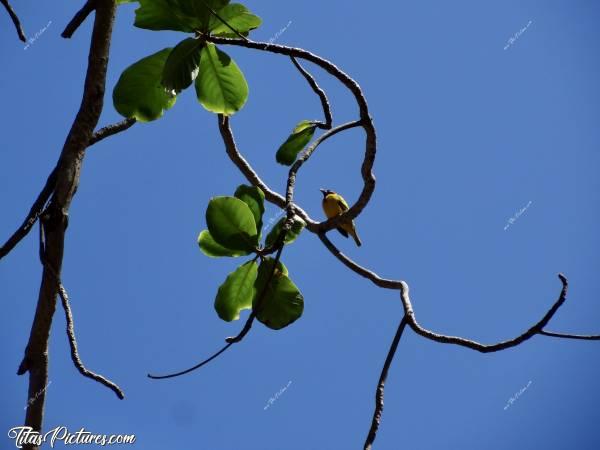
(79, 18)
(67, 180)
(15, 20)
(320, 92)
(381, 386)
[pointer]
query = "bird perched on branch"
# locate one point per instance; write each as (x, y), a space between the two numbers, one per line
(334, 205)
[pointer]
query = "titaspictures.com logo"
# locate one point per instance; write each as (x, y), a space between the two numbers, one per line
(28, 436)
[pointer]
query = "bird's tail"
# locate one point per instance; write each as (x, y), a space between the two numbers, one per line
(354, 234)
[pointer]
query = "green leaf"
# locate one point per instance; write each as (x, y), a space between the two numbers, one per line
(282, 302)
(296, 141)
(120, 2)
(199, 11)
(237, 292)
(212, 248)
(163, 15)
(297, 226)
(238, 17)
(255, 199)
(220, 86)
(138, 92)
(231, 223)
(181, 67)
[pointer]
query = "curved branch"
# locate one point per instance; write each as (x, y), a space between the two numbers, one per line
(473, 345)
(320, 92)
(381, 386)
(75, 352)
(307, 153)
(79, 18)
(15, 20)
(367, 122)
(583, 337)
(111, 130)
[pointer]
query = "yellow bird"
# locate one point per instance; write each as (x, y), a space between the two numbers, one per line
(334, 205)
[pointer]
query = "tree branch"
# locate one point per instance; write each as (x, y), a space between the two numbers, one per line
(111, 130)
(15, 20)
(32, 217)
(79, 18)
(582, 337)
(320, 92)
(381, 386)
(70, 322)
(308, 152)
(367, 124)
(67, 180)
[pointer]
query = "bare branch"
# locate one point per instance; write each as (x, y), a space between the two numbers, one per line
(79, 18)
(111, 130)
(32, 217)
(75, 353)
(320, 92)
(191, 369)
(583, 337)
(381, 386)
(15, 20)
(535, 329)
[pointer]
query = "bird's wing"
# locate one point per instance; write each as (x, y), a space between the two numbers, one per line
(342, 203)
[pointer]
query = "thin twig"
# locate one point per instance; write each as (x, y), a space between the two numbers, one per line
(381, 386)
(111, 130)
(15, 20)
(70, 323)
(32, 217)
(583, 337)
(320, 92)
(79, 18)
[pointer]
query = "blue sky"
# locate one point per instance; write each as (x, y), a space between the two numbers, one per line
(469, 134)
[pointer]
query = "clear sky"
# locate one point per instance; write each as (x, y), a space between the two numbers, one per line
(469, 135)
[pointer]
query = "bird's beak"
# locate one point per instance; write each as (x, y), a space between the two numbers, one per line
(323, 191)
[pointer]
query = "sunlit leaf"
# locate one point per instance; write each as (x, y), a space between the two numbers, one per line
(139, 92)
(281, 302)
(255, 199)
(290, 236)
(237, 292)
(212, 248)
(181, 67)
(301, 135)
(231, 223)
(220, 86)
(238, 17)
